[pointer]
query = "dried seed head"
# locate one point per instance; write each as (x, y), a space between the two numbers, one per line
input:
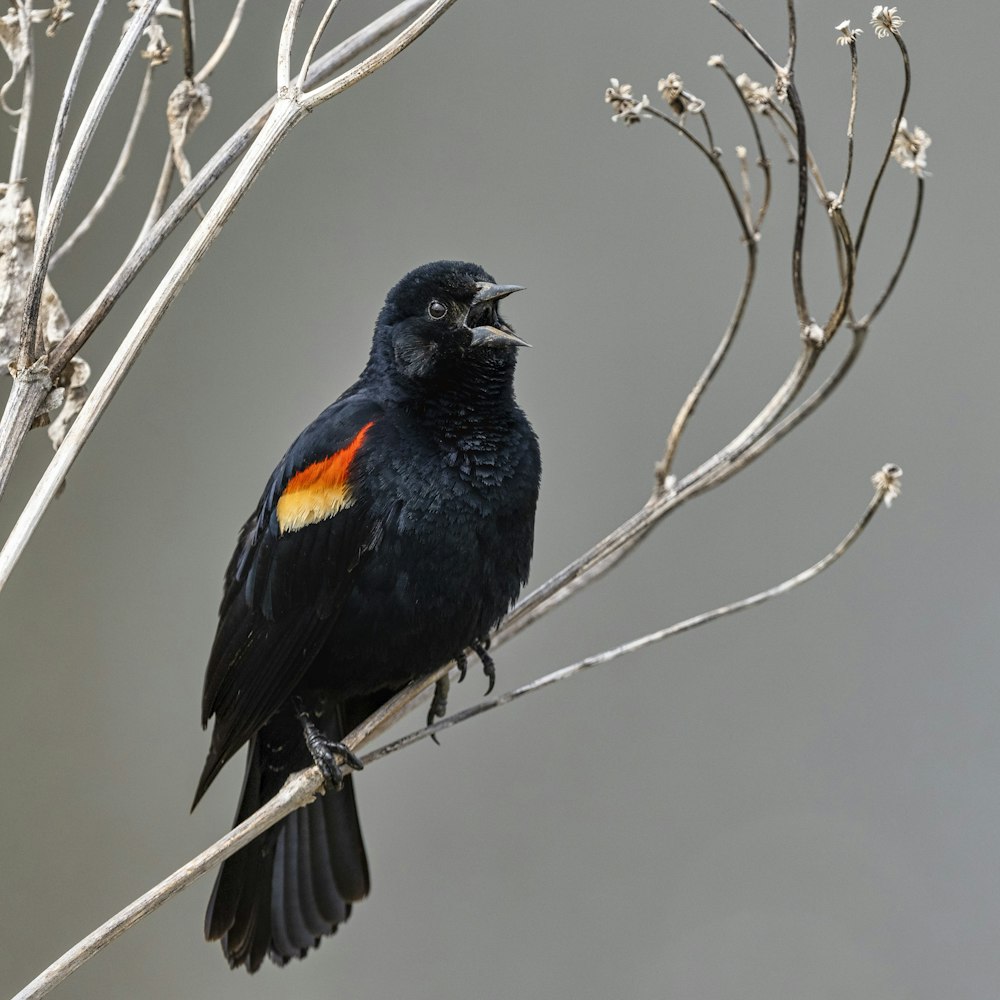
(885, 21)
(847, 35)
(909, 148)
(158, 50)
(628, 109)
(756, 95)
(887, 481)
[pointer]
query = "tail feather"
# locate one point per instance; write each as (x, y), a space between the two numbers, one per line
(295, 883)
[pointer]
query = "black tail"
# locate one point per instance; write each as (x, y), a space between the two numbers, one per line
(295, 883)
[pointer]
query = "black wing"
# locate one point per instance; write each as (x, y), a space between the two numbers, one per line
(289, 575)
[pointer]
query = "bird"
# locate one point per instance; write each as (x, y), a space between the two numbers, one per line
(395, 534)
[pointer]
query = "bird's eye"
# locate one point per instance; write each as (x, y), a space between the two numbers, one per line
(437, 309)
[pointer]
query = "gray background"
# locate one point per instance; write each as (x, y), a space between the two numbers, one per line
(798, 802)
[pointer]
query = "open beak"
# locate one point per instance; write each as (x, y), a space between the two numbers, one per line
(489, 292)
(501, 334)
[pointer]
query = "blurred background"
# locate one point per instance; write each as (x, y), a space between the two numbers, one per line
(800, 801)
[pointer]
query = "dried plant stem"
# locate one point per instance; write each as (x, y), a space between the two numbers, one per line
(302, 788)
(665, 464)
(904, 98)
(187, 22)
(117, 174)
(852, 115)
(762, 159)
(27, 96)
(285, 46)
(30, 346)
(866, 320)
(314, 42)
(299, 790)
(223, 47)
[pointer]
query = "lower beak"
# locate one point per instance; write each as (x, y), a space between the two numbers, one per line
(496, 335)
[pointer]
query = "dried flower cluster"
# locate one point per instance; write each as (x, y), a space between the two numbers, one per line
(681, 102)
(886, 21)
(909, 148)
(847, 35)
(628, 109)
(756, 95)
(888, 481)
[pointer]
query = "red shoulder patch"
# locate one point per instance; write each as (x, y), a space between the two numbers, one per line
(320, 490)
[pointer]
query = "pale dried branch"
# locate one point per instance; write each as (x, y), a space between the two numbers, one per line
(314, 42)
(285, 46)
(866, 320)
(117, 174)
(30, 346)
(27, 68)
(65, 102)
(223, 47)
(904, 97)
(302, 788)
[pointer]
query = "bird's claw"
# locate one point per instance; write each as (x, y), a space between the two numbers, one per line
(462, 663)
(439, 704)
(487, 661)
(325, 751)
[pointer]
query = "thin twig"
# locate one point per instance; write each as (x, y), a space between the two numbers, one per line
(786, 76)
(27, 94)
(298, 790)
(223, 47)
(302, 788)
(62, 116)
(866, 320)
(314, 42)
(709, 154)
(187, 22)
(761, 51)
(762, 159)
(741, 156)
(316, 96)
(156, 206)
(901, 114)
(30, 345)
(852, 115)
(665, 464)
(117, 174)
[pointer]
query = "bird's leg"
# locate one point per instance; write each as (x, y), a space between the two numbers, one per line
(486, 660)
(325, 751)
(439, 704)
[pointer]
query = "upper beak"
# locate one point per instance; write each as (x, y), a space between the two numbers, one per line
(489, 292)
(502, 334)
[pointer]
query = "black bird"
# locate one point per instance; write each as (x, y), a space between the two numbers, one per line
(395, 533)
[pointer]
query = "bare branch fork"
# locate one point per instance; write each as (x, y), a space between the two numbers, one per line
(782, 412)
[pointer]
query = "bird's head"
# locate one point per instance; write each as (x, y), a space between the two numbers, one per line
(440, 323)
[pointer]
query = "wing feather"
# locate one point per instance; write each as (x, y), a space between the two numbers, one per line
(284, 590)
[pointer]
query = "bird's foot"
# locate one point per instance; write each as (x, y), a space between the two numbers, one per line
(325, 751)
(487, 661)
(439, 704)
